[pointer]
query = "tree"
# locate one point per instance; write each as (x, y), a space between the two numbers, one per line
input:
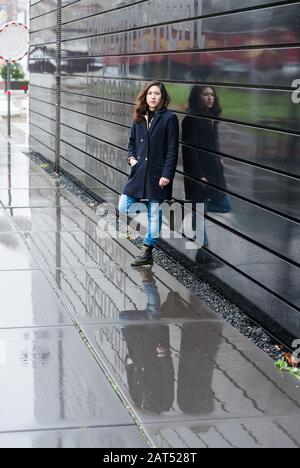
(16, 72)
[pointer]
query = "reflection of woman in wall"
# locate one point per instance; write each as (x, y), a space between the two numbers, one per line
(200, 161)
(152, 154)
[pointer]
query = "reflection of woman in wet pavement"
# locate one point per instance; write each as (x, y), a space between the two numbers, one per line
(200, 131)
(148, 363)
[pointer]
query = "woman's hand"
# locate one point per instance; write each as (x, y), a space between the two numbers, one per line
(132, 162)
(163, 182)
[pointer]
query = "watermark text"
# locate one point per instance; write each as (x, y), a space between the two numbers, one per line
(296, 93)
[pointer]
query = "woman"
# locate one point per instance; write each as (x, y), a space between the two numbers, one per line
(153, 155)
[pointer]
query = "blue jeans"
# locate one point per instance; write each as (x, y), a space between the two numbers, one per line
(131, 207)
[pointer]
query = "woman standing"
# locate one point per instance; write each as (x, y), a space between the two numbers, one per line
(153, 155)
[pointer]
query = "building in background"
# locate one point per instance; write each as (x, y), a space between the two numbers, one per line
(6, 11)
(249, 51)
(14, 10)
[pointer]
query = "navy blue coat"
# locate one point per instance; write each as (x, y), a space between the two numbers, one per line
(156, 151)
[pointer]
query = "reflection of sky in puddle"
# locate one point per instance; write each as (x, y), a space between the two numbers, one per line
(22, 306)
(17, 382)
(14, 253)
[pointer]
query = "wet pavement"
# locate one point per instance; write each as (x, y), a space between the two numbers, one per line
(96, 354)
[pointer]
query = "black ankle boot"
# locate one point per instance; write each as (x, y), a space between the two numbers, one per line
(145, 258)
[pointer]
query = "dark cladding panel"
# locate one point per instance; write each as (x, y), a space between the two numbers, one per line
(107, 175)
(42, 80)
(38, 147)
(274, 191)
(271, 149)
(97, 149)
(43, 22)
(42, 108)
(42, 122)
(74, 137)
(265, 67)
(269, 108)
(275, 150)
(279, 25)
(92, 7)
(276, 315)
(45, 138)
(108, 110)
(269, 270)
(43, 94)
(42, 7)
(100, 129)
(142, 13)
(43, 37)
(83, 179)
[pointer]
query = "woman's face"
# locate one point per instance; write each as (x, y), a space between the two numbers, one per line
(207, 98)
(154, 97)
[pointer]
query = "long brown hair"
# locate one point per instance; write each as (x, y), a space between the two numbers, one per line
(197, 108)
(141, 106)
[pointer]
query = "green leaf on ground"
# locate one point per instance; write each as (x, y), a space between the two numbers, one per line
(283, 366)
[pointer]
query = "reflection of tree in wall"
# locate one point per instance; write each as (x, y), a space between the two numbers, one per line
(16, 72)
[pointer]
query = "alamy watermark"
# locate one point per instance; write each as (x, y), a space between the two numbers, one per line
(296, 93)
(167, 221)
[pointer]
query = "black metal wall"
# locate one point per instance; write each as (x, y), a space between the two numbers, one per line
(249, 50)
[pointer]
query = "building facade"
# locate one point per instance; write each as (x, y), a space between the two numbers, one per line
(88, 61)
(14, 10)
